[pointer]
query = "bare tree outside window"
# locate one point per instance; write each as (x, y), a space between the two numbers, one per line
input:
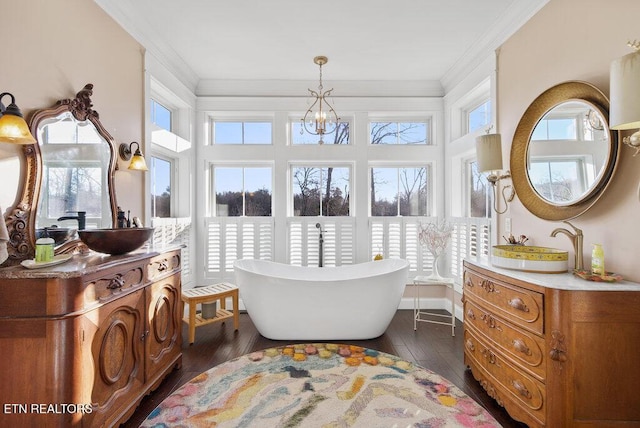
(73, 189)
(321, 191)
(399, 191)
(479, 193)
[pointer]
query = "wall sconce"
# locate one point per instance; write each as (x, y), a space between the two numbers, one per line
(624, 92)
(489, 159)
(13, 128)
(137, 160)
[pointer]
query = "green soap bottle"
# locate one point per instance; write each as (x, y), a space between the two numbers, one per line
(44, 250)
(597, 260)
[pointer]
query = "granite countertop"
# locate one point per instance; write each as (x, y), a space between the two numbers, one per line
(81, 264)
(561, 281)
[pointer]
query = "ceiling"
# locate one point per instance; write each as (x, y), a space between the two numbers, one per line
(365, 40)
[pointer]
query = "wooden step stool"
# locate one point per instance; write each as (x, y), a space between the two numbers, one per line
(210, 294)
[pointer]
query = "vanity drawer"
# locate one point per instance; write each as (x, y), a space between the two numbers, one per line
(513, 384)
(524, 347)
(112, 283)
(163, 265)
(520, 306)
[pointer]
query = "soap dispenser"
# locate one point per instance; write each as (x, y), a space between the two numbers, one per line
(44, 248)
(597, 260)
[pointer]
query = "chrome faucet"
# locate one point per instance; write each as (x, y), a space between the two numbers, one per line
(321, 244)
(81, 217)
(576, 239)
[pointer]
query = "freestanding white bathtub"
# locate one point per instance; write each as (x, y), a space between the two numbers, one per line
(321, 303)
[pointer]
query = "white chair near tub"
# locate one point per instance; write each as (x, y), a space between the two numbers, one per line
(419, 281)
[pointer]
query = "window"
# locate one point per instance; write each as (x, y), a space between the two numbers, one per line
(478, 192)
(556, 129)
(73, 188)
(400, 191)
(161, 184)
(558, 180)
(387, 132)
(242, 191)
(479, 116)
(300, 136)
(71, 132)
(320, 191)
(241, 132)
(160, 115)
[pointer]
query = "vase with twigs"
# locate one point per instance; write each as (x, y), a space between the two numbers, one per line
(435, 237)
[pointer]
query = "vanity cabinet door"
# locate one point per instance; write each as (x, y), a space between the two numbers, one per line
(163, 341)
(118, 357)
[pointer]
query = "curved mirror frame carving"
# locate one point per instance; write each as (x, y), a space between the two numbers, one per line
(21, 223)
(556, 97)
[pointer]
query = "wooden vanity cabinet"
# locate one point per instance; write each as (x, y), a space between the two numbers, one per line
(99, 331)
(554, 356)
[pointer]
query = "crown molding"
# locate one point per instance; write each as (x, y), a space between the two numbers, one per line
(514, 17)
(298, 88)
(125, 13)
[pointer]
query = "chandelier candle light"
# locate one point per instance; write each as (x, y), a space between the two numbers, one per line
(435, 237)
(324, 120)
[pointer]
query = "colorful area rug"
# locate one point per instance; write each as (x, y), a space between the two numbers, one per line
(319, 385)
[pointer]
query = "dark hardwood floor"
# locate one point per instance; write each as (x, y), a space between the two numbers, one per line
(431, 346)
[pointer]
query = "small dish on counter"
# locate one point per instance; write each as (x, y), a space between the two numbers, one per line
(608, 277)
(32, 264)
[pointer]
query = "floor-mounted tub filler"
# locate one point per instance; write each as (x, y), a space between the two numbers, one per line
(351, 302)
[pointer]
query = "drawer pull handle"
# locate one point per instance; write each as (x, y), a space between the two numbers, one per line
(490, 321)
(116, 283)
(144, 335)
(518, 304)
(489, 286)
(162, 266)
(519, 386)
(469, 345)
(471, 315)
(520, 346)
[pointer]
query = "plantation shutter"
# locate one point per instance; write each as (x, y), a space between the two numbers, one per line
(304, 245)
(232, 238)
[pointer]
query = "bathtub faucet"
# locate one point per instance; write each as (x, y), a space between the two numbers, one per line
(321, 242)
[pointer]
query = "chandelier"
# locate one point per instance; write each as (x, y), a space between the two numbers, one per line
(324, 120)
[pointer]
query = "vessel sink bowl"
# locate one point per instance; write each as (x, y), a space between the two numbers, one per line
(115, 241)
(530, 258)
(59, 234)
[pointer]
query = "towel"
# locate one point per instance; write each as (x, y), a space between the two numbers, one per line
(4, 238)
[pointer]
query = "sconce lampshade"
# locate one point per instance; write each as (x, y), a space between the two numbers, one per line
(137, 159)
(138, 163)
(13, 128)
(624, 92)
(489, 152)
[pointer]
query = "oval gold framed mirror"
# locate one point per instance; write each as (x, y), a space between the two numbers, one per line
(563, 153)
